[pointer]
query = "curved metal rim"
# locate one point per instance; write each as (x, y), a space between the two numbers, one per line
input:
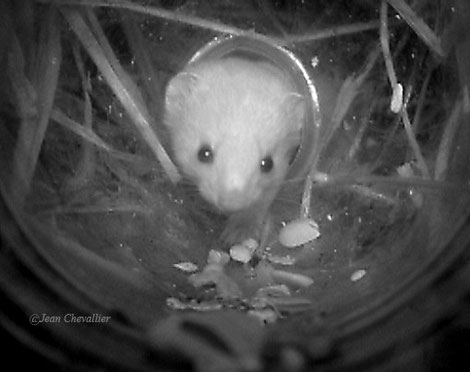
(287, 61)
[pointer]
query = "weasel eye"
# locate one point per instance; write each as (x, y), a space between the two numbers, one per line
(267, 164)
(205, 154)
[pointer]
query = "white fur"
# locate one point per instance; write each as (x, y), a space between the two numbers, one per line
(244, 110)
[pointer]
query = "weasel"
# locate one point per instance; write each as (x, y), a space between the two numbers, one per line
(235, 124)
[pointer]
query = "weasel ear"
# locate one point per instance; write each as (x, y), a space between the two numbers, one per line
(178, 91)
(294, 109)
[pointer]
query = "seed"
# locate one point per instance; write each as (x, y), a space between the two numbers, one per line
(357, 275)
(217, 257)
(188, 267)
(295, 279)
(241, 253)
(397, 99)
(280, 260)
(298, 232)
(251, 244)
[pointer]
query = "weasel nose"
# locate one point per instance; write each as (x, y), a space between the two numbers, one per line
(234, 194)
(235, 184)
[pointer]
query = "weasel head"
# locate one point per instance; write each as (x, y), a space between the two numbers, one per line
(235, 126)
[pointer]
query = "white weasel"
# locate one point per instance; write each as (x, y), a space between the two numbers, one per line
(235, 124)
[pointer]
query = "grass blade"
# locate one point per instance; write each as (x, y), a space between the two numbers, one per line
(120, 83)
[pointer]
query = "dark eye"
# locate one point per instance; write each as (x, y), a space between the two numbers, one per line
(205, 154)
(267, 164)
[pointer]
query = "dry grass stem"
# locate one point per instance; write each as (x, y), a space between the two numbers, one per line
(121, 84)
(87, 165)
(419, 26)
(141, 55)
(348, 92)
(384, 41)
(445, 146)
(223, 28)
(35, 94)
